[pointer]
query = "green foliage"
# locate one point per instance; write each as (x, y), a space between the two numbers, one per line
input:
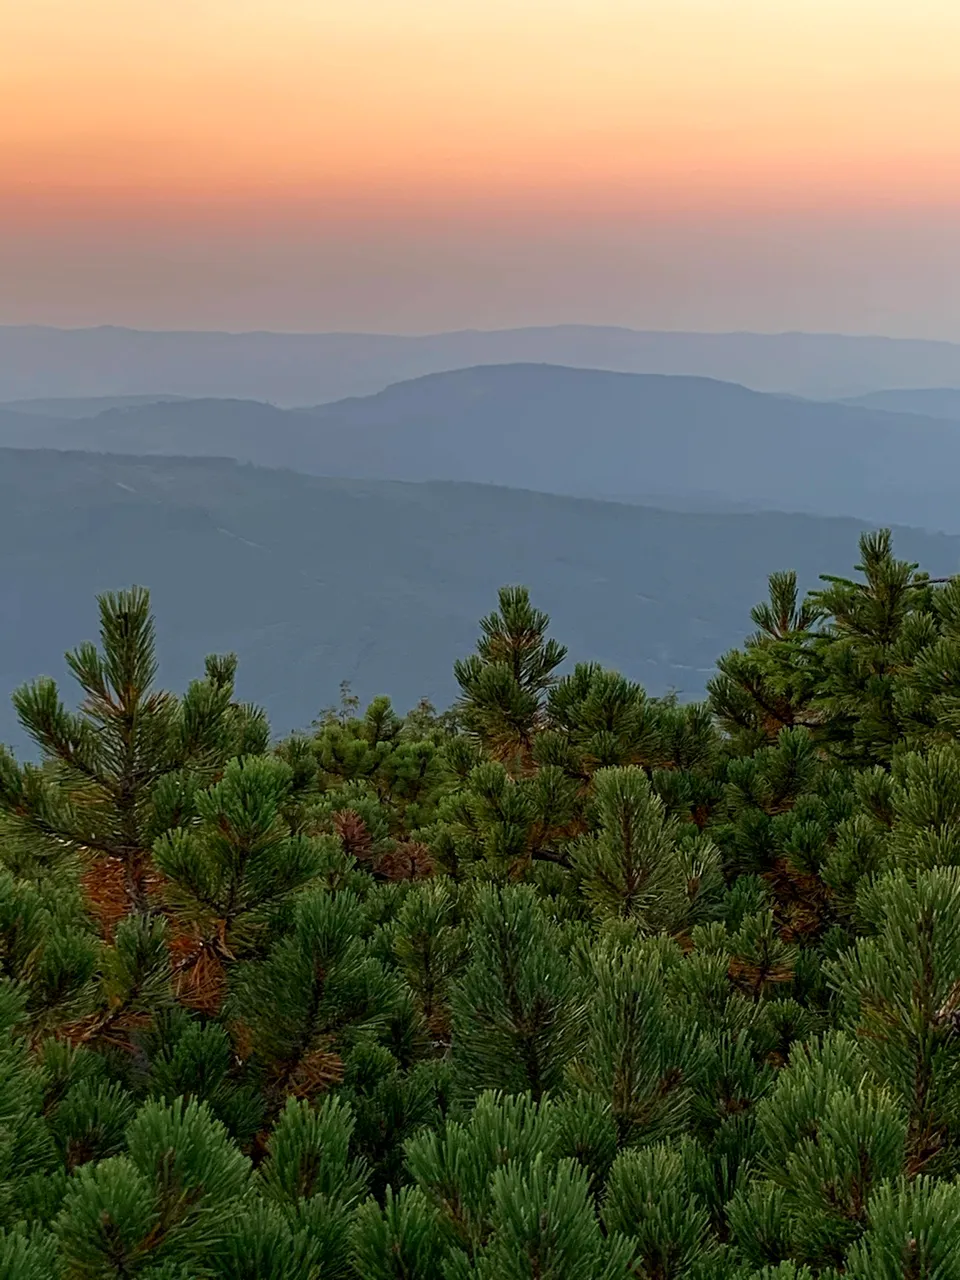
(125, 767)
(771, 683)
(504, 682)
(569, 982)
(635, 863)
(517, 1008)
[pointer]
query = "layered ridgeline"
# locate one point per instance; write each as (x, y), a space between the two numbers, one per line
(581, 432)
(934, 402)
(315, 581)
(305, 368)
(570, 983)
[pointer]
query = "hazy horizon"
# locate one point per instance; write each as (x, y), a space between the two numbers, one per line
(374, 332)
(857, 279)
(401, 166)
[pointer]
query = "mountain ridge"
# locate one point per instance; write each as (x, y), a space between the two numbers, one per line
(303, 368)
(566, 430)
(934, 402)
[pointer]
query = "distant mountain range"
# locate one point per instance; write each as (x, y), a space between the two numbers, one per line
(934, 402)
(677, 441)
(81, 406)
(298, 369)
(313, 581)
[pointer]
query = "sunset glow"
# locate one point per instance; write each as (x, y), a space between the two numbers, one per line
(232, 98)
(185, 113)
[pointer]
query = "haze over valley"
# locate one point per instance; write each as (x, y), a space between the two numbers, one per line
(361, 539)
(315, 581)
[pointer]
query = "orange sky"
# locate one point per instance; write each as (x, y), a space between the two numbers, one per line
(230, 113)
(113, 99)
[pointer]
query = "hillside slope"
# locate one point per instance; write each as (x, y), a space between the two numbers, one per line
(562, 430)
(934, 402)
(315, 581)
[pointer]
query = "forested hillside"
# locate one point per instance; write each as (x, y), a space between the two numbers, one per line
(582, 432)
(566, 982)
(315, 581)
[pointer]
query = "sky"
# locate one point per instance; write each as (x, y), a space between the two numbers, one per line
(417, 165)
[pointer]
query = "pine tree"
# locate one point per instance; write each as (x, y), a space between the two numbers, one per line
(771, 683)
(876, 628)
(229, 874)
(637, 865)
(603, 720)
(900, 990)
(297, 1010)
(517, 1008)
(503, 684)
(637, 1056)
(124, 769)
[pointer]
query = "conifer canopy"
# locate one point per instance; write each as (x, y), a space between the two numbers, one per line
(567, 982)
